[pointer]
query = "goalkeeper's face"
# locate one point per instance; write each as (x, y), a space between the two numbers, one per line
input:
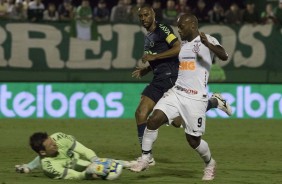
(51, 148)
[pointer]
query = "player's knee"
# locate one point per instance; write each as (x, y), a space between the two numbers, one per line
(153, 123)
(141, 114)
(193, 141)
(194, 144)
(177, 122)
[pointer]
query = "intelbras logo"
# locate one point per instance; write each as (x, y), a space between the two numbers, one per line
(45, 102)
(35, 100)
(248, 103)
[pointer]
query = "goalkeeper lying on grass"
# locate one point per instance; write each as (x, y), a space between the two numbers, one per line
(62, 157)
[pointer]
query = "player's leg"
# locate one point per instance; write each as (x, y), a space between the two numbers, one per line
(199, 146)
(157, 119)
(222, 104)
(194, 117)
(164, 110)
(216, 101)
(142, 112)
(150, 96)
(202, 148)
(177, 122)
(212, 103)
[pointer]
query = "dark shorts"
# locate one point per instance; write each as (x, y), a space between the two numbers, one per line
(156, 89)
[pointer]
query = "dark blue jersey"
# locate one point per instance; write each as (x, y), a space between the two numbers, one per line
(158, 41)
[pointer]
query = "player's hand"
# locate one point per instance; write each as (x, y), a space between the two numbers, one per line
(22, 168)
(204, 39)
(148, 57)
(139, 72)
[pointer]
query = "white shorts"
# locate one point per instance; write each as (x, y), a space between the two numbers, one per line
(192, 111)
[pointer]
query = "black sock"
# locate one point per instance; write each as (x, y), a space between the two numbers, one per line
(141, 129)
(212, 103)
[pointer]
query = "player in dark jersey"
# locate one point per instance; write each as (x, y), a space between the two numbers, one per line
(161, 49)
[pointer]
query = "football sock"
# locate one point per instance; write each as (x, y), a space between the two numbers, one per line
(148, 139)
(212, 103)
(204, 151)
(140, 129)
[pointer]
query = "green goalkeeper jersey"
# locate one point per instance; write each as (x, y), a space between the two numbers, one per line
(72, 160)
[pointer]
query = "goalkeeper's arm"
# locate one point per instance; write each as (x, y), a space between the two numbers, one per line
(59, 172)
(26, 168)
(85, 152)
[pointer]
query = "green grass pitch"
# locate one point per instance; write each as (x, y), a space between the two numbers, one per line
(247, 151)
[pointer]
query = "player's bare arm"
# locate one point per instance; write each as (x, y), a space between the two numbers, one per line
(216, 49)
(172, 52)
(139, 72)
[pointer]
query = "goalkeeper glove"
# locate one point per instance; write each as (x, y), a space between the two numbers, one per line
(101, 167)
(22, 168)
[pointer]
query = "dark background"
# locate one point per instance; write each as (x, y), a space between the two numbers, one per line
(191, 3)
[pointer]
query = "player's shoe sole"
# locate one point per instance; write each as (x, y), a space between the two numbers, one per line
(209, 171)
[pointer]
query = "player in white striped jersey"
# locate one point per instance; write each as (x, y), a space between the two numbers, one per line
(188, 97)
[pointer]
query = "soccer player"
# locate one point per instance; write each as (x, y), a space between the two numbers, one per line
(188, 97)
(161, 48)
(62, 157)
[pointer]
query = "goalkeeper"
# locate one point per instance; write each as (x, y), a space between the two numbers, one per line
(62, 157)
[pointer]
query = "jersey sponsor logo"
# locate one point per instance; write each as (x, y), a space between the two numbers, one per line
(165, 29)
(149, 52)
(49, 167)
(61, 135)
(187, 65)
(188, 91)
(188, 57)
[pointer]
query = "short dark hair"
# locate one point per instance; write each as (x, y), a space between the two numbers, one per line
(36, 141)
(146, 6)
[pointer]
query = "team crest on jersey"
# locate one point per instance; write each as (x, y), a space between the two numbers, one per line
(196, 48)
(152, 44)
